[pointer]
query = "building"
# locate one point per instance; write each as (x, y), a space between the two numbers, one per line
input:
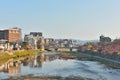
(117, 41)
(36, 33)
(3, 45)
(66, 43)
(11, 35)
(35, 39)
(49, 43)
(105, 39)
(10, 38)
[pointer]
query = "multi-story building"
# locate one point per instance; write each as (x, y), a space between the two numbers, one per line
(36, 33)
(11, 35)
(35, 39)
(105, 39)
(49, 43)
(67, 43)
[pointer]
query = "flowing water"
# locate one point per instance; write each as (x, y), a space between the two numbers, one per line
(50, 64)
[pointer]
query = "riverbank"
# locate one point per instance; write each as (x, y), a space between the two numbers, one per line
(30, 77)
(84, 57)
(62, 66)
(4, 56)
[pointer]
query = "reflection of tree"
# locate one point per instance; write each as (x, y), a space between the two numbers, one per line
(25, 61)
(38, 60)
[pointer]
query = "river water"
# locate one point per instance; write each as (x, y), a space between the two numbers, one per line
(50, 64)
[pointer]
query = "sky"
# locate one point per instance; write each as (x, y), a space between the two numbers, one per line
(72, 19)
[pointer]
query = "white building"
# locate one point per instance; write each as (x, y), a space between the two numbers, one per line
(35, 39)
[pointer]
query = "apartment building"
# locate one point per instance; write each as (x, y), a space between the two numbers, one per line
(11, 35)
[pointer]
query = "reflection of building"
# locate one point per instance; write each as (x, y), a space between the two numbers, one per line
(105, 39)
(35, 39)
(50, 57)
(11, 67)
(38, 61)
(14, 67)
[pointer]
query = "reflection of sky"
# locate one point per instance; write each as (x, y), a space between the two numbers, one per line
(69, 67)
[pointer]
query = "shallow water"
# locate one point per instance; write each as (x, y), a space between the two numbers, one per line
(55, 66)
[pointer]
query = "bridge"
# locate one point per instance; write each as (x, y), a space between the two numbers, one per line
(63, 49)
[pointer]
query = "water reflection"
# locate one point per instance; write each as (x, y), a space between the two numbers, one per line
(37, 61)
(40, 59)
(11, 67)
(14, 66)
(46, 64)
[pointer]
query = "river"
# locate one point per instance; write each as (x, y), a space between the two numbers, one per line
(51, 64)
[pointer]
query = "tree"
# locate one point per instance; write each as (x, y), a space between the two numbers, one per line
(25, 45)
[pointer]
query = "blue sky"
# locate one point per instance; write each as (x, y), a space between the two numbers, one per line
(77, 19)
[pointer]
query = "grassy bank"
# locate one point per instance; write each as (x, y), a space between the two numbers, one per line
(4, 57)
(17, 54)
